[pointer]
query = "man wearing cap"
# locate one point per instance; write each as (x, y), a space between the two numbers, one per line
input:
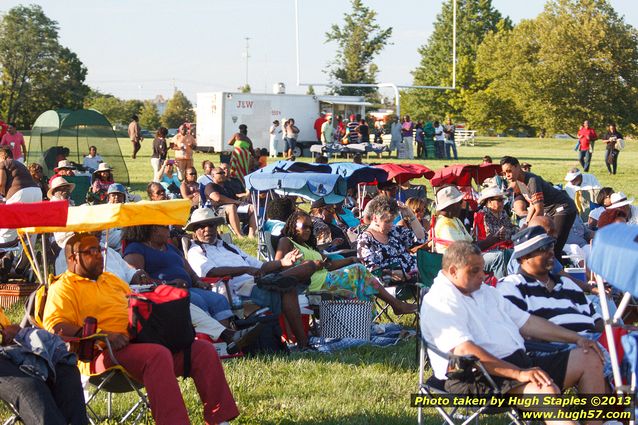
(262, 283)
(461, 315)
(544, 199)
(577, 181)
(619, 200)
(64, 169)
(537, 290)
(327, 132)
(16, 185)
(540, 292)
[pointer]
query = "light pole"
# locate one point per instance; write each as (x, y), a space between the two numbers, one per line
(246, 55)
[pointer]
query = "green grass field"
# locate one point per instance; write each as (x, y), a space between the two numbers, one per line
(365, 385)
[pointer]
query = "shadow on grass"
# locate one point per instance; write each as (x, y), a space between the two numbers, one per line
(401, 357)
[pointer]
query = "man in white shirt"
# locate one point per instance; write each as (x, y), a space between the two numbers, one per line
(262, 283)
(92, 160)
(463, 316)
(577, 181)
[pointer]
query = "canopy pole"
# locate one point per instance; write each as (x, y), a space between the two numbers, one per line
(30, 253)
(106, 247)
(608, 331)
(45, 262)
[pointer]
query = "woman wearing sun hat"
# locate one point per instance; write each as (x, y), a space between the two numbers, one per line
(491, 223)
(103, 178)
(619, 200)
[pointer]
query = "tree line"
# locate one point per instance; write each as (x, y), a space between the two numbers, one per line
(576, 60)
(37, 73)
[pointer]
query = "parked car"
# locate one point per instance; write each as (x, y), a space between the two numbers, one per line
(147, 134)
(172, 132)
(562, 136)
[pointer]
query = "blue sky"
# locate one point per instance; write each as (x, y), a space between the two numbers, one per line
(141, 48)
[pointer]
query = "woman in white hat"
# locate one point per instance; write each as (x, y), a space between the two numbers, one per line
(619, 200)
(492, 225)
(447, 227)
(102, 179)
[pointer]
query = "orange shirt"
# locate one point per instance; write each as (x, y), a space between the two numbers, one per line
(72, 298)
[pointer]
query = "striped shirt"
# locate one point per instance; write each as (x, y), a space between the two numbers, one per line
(565, 305)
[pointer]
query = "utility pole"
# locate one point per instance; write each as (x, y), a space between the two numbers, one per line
(246, 55)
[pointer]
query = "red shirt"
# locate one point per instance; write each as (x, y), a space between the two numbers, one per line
(318, 123)
(586, 136)
(3, 128)
(15, 143)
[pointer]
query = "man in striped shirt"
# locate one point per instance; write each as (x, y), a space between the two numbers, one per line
(537, 290)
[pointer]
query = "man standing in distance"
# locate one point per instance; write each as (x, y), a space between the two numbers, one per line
(134, 133)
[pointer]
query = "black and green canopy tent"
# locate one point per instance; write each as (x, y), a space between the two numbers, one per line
(61, 129)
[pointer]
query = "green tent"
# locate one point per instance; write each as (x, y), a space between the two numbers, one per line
(55, 131)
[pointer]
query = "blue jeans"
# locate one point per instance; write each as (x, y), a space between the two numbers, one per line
(38, 403)
(211, 302)
(450, 146)
(584, 157)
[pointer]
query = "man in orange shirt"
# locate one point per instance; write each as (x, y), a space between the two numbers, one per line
(86, 290)
(586, 137)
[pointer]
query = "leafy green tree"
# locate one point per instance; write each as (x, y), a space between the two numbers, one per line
(474, 20)
(245, 89)
(359, 40)
(111, 107)
(178, 111)
(36, 72)
(149, 116)
(577, 60)
(311, 90)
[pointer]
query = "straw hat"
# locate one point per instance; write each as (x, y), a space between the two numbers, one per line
(57, 183)
(64, 164)
(102, 167)
(619, 199)
(447, 196)
(203, 216)
(491, 192)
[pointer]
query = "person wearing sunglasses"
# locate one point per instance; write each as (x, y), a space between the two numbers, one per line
(538, 291)
(347, 276)
(492, 225)
(189, 187)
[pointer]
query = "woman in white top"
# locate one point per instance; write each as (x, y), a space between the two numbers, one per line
(275, 138)
(439, 140)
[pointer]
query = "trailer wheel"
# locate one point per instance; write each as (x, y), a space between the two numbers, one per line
(297, 151)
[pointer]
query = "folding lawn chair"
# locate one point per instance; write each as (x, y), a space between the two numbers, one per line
(434, 387)
(614, 258)
(15, 416)
(114, 380)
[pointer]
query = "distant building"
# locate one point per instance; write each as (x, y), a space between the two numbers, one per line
(160, 103)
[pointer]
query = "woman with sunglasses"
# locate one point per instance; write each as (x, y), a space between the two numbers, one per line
(492, 225)
(189, 187)
(345, 276)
